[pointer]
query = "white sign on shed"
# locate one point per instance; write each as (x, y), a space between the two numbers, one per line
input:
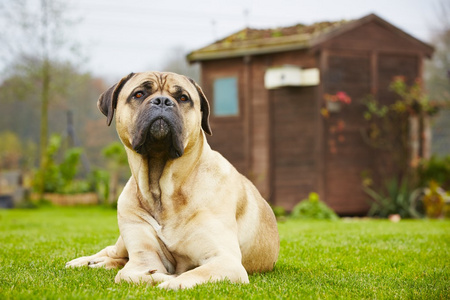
(290, 76)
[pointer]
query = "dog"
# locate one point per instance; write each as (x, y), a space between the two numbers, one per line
(186, 216)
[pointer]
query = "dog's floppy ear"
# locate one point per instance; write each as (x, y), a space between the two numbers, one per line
(204, 107)
(108, 100)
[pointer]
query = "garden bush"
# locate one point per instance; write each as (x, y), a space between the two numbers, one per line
(61, 176)
(435, 169)
(313, 208)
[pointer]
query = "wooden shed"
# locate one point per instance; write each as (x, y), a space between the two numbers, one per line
(267, 88)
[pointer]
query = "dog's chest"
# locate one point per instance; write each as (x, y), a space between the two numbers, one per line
(156, 167)
(178, 242)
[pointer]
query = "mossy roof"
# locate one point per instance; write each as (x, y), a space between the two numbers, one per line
(250, 41)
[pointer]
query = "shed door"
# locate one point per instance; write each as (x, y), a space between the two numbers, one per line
(293, 135)
(347, 156)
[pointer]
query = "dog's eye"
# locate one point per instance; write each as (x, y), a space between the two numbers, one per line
(184, 98)
(138, 95)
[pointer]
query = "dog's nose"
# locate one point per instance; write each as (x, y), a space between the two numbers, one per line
(162, 101)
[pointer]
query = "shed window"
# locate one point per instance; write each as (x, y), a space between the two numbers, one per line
(226, 97)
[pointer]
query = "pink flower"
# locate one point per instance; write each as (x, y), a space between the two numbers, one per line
(338, 97)
(343, 97)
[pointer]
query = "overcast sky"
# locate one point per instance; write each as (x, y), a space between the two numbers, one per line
(118, 37)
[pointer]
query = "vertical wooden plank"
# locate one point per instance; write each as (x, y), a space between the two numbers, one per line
(420, 65)
(414, 139)
(425, 128)
(260, 135)
(269, 142)
(248, 120)
(321, 134)
(271, 185)
(426, 147)
(374, 72)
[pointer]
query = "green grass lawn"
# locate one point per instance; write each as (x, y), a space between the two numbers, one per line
(318, 259)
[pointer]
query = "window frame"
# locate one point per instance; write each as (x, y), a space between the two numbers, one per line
(238, 114)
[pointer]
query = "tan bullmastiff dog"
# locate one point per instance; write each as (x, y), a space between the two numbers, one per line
(186, 216)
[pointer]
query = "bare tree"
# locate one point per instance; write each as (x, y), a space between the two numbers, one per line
(437, 78)
(438, 69)
(33, 35)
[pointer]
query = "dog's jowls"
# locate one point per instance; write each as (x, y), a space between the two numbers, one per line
(186, 216)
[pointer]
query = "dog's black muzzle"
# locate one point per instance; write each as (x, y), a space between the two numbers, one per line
(159, 128)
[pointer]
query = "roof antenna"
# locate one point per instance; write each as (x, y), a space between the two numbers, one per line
(246, 17)
(214, 28)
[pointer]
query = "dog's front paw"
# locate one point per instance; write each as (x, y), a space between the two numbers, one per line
(179, 283)
(150, 276)
(79, 262)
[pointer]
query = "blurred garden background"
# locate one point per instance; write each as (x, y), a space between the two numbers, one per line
(55, 147)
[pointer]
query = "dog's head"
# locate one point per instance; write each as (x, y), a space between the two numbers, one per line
(156, 113)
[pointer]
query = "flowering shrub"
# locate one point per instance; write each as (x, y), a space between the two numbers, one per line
(414, 100)
(338, 97)
(434, 200)
(395, 127)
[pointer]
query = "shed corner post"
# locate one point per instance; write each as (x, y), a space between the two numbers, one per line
(323, 56)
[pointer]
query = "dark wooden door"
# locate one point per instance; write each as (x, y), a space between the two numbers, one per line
(293, 133)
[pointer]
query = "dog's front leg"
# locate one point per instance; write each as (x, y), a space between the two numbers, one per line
(148, 259)
(111, 257)
(214, 248)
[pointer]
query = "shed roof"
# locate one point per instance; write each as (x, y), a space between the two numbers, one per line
(250, 41)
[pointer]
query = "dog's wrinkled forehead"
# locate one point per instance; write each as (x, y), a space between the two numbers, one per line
(152, 83)
(158, 83)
